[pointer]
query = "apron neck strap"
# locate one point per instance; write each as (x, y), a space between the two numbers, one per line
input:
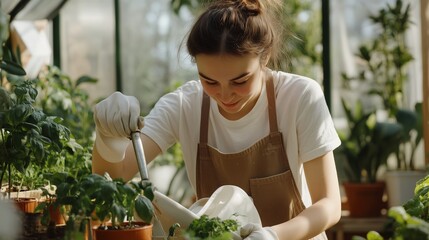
(272, 113)
(204, 125)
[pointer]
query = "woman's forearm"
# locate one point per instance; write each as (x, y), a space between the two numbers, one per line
(312, 221)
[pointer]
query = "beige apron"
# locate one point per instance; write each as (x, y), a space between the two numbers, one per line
(262, 170)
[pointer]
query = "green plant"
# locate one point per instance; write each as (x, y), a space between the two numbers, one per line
(64, 97)
(211, 228)
(410, 221)
(27, 134)
(412, 134)
(385, 59)
(368, 143)
(111, 201)
(384, 71)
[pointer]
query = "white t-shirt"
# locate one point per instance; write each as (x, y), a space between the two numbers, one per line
(302, 116)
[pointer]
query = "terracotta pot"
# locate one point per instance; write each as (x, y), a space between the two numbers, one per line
(144, 232)
(26, 205)
(56, 216)
(365, 199)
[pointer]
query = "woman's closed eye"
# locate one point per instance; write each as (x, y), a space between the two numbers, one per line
(210, 82)
(240, 82)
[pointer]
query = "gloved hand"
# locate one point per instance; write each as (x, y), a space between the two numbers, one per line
(116, 117)
(256, 232)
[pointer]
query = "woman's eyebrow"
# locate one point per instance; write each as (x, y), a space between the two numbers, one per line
(236, 78)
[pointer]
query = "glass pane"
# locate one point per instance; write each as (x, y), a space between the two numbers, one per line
(351, 27)
(87, 43)
(151, 37)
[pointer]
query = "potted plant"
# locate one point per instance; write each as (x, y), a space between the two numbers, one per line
(112, 202)
(28, 138)
(366, 147)
(409, 221)
(384, 63)
(28, 135)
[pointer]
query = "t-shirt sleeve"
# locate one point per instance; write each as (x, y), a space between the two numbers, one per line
(315, 128)
(175, 116)
(161, 123)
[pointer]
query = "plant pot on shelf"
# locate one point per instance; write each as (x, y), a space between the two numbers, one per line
(365, 199)
(31, 219)
(142, 231)
(401, 184)
(56, 216)
(26, 205)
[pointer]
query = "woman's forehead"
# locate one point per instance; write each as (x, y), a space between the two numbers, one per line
(226, 66)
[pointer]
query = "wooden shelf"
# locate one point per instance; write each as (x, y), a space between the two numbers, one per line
(348, 226)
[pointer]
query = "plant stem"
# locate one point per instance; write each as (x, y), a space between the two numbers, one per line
(9, 178)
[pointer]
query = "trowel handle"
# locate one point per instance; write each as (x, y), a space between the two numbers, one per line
(141, 160)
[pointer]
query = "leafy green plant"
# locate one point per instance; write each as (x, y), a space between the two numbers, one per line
(64, 97)
(412, 134)
(211, 228)
(111, 201)
(385, 59)
(410, 221)
(368, 143)
(384, 65)
(27, 134)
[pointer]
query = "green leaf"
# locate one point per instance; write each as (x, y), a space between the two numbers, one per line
(422, 183)
(108, 188)
(364, 53)
(85, 79)
(407, 118)
(38, 149)
(19, 113)
(120, 212)
(144, 208)
(128, 190)
(51, 131)
(12, 67)
(373, 235)
(149, 193)
(36, 117)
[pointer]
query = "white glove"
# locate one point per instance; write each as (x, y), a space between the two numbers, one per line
(116, 117)
(256, 232)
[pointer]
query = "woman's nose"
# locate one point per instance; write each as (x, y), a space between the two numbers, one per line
(225, 94)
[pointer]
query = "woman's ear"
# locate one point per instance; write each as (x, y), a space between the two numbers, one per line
(265, 59)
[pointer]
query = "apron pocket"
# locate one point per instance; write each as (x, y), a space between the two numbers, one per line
(276, 198)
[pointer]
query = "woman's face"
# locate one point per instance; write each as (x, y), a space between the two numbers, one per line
(235, 82)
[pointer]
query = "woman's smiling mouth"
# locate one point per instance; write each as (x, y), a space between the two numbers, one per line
(230, 105)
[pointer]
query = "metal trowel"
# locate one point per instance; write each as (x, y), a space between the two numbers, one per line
(167, 211)
(139, 151)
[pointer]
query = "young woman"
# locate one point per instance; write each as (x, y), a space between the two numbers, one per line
(268, 132)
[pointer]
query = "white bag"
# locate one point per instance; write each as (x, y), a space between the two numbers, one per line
(227, 202)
